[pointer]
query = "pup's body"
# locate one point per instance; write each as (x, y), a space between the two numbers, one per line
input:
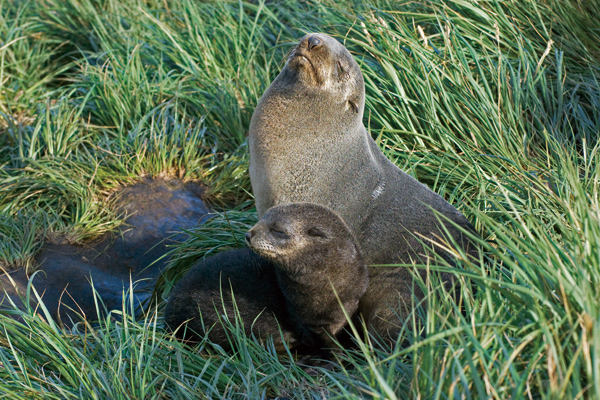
(203, 296)
(307, 274)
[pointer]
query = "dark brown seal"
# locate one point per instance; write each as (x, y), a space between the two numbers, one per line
(307, 276)
(319, 267)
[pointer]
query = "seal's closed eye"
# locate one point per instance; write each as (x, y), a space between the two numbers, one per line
(278, 233)
(314, 231)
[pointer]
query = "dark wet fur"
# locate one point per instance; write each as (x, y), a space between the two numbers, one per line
(251, 278)
(319, 267)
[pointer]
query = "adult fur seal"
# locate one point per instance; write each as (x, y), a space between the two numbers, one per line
(203, 297)
(319, 267)
(308, 263)
(308, 144)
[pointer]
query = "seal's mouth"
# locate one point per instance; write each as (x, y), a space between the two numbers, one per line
(263, 248)
(300, 58)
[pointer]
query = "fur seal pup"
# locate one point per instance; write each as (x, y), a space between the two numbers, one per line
(203, 296)
(308, 144)
(319, 267)
(307, 263)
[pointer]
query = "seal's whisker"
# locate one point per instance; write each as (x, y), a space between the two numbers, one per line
(288, 54)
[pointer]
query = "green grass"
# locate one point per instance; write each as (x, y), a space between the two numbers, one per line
(495, 105)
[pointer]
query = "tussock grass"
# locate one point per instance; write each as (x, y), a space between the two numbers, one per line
(495, 105)
(120, 357)
(20, 238)
(223, 231)
(27, 68)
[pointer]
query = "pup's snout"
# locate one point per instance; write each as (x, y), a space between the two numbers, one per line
(249, 236)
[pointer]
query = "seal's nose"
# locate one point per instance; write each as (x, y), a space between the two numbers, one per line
(249, 235)
(313, 42)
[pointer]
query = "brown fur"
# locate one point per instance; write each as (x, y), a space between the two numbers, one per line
(318, 264)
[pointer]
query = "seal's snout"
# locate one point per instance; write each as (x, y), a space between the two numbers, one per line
(249, 235)
(313, 42)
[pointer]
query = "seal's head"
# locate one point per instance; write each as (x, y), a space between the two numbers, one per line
(322, 65)
(304, 237)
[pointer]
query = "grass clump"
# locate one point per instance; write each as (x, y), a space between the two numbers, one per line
(122, 357)
(21, 236)
(495, 105)
(28, 70)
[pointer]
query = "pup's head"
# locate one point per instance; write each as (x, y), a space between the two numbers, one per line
(300, 237)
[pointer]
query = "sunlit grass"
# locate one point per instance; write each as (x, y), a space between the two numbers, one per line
(495, 105)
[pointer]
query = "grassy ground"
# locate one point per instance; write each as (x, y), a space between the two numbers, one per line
(495, 105)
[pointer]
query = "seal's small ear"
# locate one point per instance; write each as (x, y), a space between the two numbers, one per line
(353, 104)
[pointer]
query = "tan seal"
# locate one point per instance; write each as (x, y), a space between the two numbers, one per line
(308, 144)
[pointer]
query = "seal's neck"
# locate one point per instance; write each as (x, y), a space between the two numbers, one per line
(291, 108)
